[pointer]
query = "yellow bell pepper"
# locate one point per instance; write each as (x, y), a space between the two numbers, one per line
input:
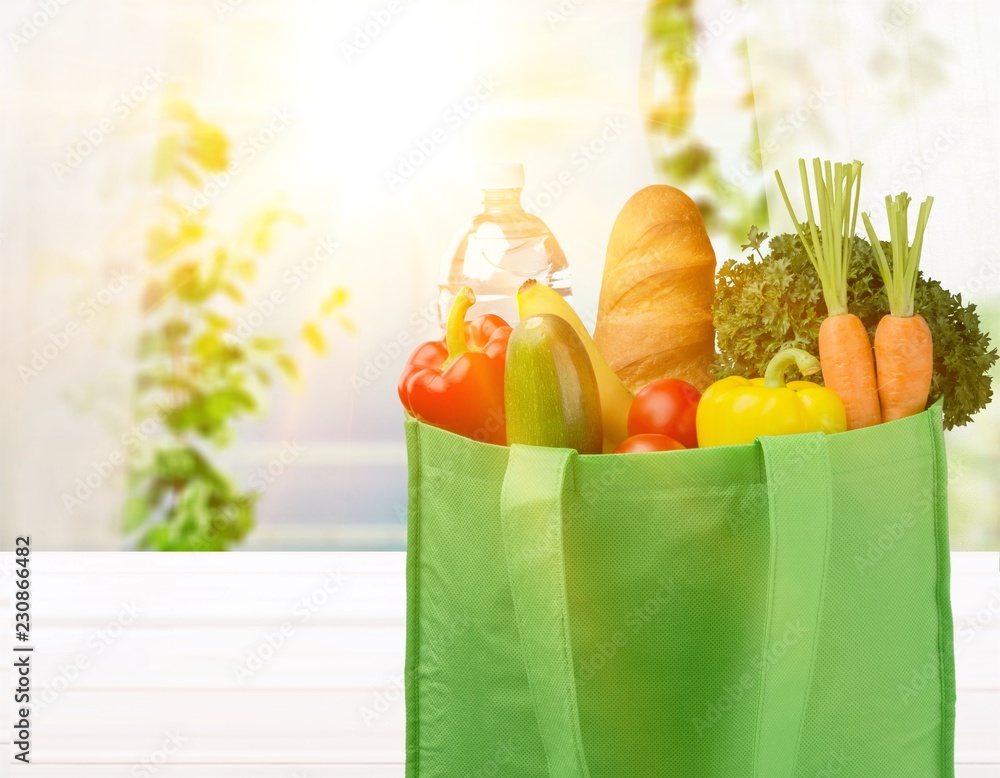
(737, 410)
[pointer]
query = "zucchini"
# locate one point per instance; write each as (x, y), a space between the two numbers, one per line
(550, 390)
(534, 298)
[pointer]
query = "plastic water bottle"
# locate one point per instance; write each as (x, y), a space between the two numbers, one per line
(500, 249)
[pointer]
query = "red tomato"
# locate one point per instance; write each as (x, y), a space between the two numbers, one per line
(666, 407)
(637, 444)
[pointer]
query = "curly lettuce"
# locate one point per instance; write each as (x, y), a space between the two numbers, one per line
(772, 302)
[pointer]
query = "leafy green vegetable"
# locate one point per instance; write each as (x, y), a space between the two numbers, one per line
(766, 304)
(755, 239)
(203, 368)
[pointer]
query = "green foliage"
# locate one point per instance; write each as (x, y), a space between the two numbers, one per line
(200, 372)
(772, 302)
(907, 52)
(684, 159)
(201, 508)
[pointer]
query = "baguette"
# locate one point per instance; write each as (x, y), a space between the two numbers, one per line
(654, 319)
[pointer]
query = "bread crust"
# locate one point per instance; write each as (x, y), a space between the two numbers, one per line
(654, 319)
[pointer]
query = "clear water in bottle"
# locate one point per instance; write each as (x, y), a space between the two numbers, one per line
(500, 249)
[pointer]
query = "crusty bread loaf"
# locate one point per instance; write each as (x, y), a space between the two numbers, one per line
(655, 314)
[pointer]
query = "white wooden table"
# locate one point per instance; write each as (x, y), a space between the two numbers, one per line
(290, 665)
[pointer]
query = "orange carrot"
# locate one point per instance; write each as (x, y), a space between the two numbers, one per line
(845, 351)
(904, 350)
(904, 354)
(845, 355)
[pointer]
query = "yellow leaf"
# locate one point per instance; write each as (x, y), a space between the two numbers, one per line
(219, 260)
(162, 244)
(189, 175)
(338, 298)
(209, 146)
(153, 295)
(265, 343)
(262, 240)
(191, 231)
(263, 232)
(247, 269)
(287, 365)
(348, 325)
(216, 321)
(179, 110)
(185, 280)
(157, 241)
(207, 345)
(166, 157)
(233, 292)
(314, 337)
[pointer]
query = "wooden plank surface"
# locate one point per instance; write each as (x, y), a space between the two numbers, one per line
(291, 664)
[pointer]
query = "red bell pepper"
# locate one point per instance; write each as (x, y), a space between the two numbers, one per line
(457, 383)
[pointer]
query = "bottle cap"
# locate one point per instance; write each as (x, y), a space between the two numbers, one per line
(509, 175)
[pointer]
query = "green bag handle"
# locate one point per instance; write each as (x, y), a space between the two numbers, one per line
(799, 497)
(799, 508)
(531, 512)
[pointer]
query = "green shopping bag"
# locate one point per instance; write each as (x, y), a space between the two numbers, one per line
(769, 610)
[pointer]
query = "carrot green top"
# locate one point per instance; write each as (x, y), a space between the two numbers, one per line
(901, 278)
(837, 189)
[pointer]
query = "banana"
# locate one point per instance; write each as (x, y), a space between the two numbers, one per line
(534, 299)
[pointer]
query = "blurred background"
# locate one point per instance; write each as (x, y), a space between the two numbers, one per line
(222, 221)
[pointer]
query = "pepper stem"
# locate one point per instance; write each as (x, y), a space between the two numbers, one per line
(455, 334)
(774, 376)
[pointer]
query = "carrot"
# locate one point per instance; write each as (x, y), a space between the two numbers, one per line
(904, 349)
(904, 359)
(845, 355)
(845, 352)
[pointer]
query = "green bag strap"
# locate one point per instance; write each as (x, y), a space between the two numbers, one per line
(799, 505)
(531, 511)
